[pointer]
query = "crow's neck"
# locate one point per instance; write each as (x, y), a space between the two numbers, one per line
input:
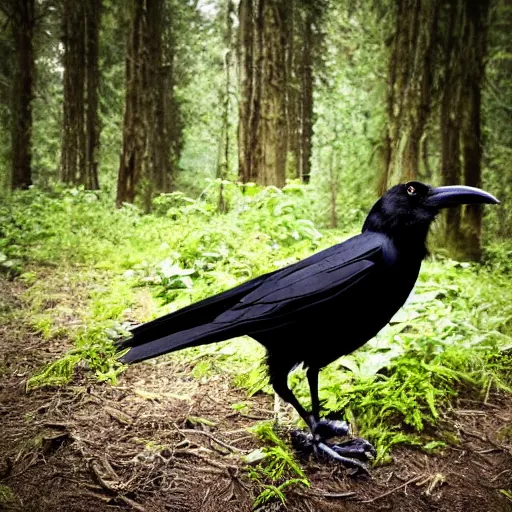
(409, 238)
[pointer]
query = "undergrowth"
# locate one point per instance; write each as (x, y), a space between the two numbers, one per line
(453, 336)
(273, 468)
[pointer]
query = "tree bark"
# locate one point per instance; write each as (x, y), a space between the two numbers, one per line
(92, 81)
(411, 88)
(145, 163)
(461, 119)
(478, 13)
(306, 132)
(81, 125)
(451, 113)
(246, 106)
(263, 88)
(134, 132)
(22, 94)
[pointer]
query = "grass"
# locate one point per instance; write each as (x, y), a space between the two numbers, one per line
(90, 269)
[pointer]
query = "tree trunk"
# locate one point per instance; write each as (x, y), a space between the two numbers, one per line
(263, 88)
(144, 162)
(81, 125)
(478, 13)
(246, 107)
(306, 132)
(92, 105)
(134, 131)
(333, 189)
(172, 111)
(451, 113)
(411, 88)
(223, 164)
(461, 119)
(22, 94)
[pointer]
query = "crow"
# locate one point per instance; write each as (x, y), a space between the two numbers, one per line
(320, 308)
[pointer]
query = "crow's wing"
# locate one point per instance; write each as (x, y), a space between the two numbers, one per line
(310, 282)
(201, 312)
(265, 302)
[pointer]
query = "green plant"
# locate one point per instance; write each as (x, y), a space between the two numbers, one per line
(277, 468)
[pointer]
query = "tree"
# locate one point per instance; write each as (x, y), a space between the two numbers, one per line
(304, 38)
(80, 134)
(145, 158)
(262, 122)
(461, 131)
(22, 20)
(411, 88)
(223, 163)
(436, 68)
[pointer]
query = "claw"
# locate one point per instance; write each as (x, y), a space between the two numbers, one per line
(357, 447)
(350, 453)
(345, 461)
(326, 429)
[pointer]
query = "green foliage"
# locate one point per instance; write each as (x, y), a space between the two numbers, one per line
(455, 333)
(277, 469)
(6, 496)
(186, 250)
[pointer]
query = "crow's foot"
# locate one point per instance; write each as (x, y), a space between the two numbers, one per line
(326, 429)
(352, 453)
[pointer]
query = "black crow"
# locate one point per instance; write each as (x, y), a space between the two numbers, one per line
(322, 307)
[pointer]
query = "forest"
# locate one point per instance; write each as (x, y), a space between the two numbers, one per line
(154, 153)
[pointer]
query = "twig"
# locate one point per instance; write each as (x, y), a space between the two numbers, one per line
(113, 487)
(214, 463)
(503, 449)
(201, 469)
(469, 412)
(213, 438)
(337, 495)
(330, 495)
(473, 434)
(132, 503)
(411, 481)
(488, 390)
(493, 479)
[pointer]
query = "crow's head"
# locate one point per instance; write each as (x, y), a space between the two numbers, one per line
(406, 211)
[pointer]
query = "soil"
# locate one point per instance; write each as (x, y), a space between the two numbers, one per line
(164, 441)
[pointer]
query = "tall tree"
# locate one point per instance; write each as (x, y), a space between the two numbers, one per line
(461, 131)
(410, 88)
(93, 16)
(80, 134)
(22, 20)
(306, 95)
(304, 38)
(247, 105)
(263, 127)
(223, 161)
(144, 166)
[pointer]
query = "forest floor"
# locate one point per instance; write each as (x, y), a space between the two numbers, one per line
(91, 446)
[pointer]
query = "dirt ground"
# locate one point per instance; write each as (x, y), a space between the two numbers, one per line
(92, 447)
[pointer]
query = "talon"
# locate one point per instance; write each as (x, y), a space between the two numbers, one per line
(345, 461)
(326, 429)
(358, 447)
(351, 453)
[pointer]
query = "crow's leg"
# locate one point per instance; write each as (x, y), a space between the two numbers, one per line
(345, 453)
(322, 429)
(280, 384)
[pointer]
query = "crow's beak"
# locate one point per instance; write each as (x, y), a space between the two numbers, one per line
(444, 197)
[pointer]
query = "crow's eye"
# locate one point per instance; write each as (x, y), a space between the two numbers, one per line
(411, 190)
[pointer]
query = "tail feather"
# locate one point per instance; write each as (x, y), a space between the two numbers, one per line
(197, 314)
(143, 348)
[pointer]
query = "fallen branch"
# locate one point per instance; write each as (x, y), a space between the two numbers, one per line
(213, 438)
(411, 481)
